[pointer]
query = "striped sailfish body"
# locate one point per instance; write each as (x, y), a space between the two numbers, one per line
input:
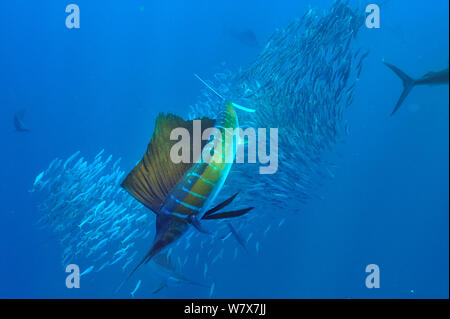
(203, 181)
(180, 193)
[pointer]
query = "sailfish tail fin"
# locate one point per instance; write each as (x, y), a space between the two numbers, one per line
(129, 276)
(152, 252)
(408, 84)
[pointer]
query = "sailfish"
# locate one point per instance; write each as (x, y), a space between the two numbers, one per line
(167, 269)
(181, 193)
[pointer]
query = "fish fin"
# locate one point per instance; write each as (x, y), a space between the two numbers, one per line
(230, 214)
(220, 206)
(196, 223)
(156, 174)
(237, 236)
(163, 260)
(161, 286)
(151, 253)
(408, 84)
(18, 121)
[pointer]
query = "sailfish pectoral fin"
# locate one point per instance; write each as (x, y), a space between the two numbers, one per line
(196, 223)
(220, 206)
(230, 214)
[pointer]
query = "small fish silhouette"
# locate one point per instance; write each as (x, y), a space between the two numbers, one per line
(19, 125)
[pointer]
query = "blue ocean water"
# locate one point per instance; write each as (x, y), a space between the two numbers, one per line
(102, 86)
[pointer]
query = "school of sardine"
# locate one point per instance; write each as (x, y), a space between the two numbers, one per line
(301, 83)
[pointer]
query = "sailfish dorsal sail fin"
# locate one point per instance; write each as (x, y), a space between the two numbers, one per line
(156, 174)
